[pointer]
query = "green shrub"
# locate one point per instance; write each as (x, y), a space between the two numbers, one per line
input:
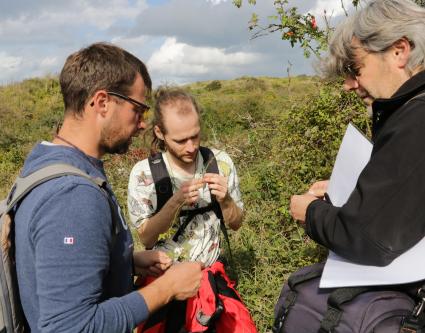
(280, 156)
(213, 85)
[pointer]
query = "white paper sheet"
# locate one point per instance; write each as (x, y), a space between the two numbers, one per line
(352, 157)
(339, 272)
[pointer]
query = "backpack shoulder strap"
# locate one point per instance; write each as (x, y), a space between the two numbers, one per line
(162, 180)
(211, 166)
(210, 162)
(336, 300)
(12, 314)
(161, 177)
(164, 190)
(23, 185)
(295, 279)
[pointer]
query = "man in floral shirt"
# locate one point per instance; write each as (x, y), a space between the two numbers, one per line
(200, 199)
(176, 129)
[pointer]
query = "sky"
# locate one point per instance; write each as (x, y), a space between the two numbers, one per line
(181, 41)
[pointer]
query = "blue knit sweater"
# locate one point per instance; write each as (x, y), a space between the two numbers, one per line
(72, 276)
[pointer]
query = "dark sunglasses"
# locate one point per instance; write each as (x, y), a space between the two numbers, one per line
(141, 107)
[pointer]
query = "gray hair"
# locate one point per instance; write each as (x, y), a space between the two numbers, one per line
(377, 26)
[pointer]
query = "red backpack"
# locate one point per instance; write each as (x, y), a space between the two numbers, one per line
(216, 308)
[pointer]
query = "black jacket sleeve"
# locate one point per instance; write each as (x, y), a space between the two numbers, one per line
(385, 214)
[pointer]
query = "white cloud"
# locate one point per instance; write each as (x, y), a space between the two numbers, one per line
(332, 7)
(9, 63)
(130, 43)
(42, 35)
(180, 59)
(184, 40)
(49, 62)
(216, 2)
(70, 19)
(105, 15)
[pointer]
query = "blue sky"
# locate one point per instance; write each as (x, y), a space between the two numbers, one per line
(181, 41)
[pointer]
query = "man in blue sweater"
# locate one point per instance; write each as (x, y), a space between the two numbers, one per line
(74, 273)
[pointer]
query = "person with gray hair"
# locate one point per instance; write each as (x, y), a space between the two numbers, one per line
(380, 52)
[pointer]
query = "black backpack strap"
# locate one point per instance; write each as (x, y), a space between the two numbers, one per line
(209, 320)
(164, 191)
(161, 177)
(188, 215)
(289, 301)
(212, 167)
(162, 180)
(415, 322)
(296, 279)
(334, 311)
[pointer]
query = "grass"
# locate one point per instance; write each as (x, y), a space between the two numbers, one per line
(282, 135)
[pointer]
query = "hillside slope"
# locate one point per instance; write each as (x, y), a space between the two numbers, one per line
(282, 133)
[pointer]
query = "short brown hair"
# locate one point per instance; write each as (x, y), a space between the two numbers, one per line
(99, 66)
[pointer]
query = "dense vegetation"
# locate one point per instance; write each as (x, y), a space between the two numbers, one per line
(283, 134)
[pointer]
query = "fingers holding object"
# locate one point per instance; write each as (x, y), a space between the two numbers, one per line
(214, 178)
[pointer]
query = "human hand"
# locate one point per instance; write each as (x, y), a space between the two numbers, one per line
(218, 185)
(151, 262)
(184, 279)
(180, 281)
(298, 206)
(318, 189)
(188, 193)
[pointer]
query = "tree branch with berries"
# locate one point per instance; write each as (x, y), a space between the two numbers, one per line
(297, 28)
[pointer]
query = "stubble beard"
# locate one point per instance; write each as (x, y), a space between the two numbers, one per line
(181, 158)
(110, 145)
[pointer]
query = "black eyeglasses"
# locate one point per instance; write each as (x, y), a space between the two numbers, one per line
(141, 108)
(352, 70)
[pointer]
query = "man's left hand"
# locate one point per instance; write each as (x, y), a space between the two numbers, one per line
(218, 185)
(151, 262)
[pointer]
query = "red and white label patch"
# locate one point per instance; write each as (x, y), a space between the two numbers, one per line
(68, 240)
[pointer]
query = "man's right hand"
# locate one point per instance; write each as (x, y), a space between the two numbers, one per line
(188, 193)
(180, 282)
(184, 279)
(159, 223)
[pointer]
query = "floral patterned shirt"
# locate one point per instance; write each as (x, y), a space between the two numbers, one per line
(200, 241)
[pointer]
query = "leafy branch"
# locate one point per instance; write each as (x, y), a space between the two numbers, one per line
(298, 28)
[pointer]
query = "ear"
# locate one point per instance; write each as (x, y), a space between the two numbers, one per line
(158, 132)
(401, 52)
(99, 102)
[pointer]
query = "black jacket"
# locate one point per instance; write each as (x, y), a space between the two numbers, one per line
(385, 214)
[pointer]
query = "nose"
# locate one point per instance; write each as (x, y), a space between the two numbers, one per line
(190, 146)
(141, 125)
(350, 83)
